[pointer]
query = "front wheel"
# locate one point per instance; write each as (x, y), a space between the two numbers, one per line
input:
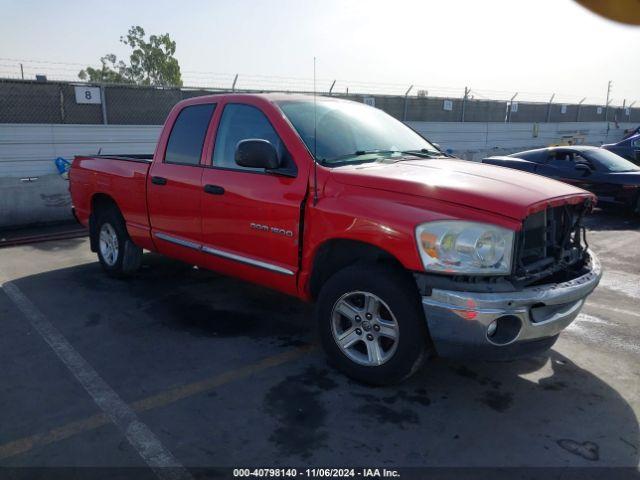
(372, 325)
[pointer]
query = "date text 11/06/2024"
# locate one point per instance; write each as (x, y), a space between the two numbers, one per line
(315, 473)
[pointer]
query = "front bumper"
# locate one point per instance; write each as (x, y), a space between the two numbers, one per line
(531, 319)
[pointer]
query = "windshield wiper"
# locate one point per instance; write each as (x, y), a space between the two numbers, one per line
(358, 153)
(426, 153)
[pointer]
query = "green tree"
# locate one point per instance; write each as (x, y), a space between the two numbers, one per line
(112, 71)
(151, 62)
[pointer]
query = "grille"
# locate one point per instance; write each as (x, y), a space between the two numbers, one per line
(550, 240)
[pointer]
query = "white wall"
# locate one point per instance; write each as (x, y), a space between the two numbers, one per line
(29, 151)
(476, 140)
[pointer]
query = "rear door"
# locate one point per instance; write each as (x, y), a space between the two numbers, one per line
(174, 185)
(250, 217)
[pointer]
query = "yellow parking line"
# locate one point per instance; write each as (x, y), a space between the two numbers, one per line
(22, 445)
(178, 393)
(25, 444)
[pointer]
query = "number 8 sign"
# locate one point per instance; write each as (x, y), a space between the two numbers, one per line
(88, 95)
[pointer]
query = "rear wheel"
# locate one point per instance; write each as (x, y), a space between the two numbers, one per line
(372, 325)
(109, 244)
(117, 253)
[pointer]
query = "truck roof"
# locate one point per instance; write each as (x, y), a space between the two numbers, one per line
(272, 97)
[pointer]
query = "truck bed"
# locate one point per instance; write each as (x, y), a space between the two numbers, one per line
(145, 158)
(122, 178)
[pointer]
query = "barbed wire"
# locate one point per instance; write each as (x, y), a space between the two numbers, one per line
(15, 68)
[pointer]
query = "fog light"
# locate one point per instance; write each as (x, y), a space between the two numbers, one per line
(504, 330)
(491, 329)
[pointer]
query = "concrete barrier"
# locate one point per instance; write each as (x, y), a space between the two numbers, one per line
(41, 201)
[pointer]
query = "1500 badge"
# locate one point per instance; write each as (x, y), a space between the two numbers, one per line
(267, 228)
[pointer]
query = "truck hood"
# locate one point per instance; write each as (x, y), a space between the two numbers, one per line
(499, 190)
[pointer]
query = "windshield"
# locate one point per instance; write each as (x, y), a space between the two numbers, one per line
(351, 132)
(609, 161)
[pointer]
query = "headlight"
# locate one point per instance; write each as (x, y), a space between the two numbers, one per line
(459, 247)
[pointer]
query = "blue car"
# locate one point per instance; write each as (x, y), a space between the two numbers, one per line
(628, 148)
(612, 178)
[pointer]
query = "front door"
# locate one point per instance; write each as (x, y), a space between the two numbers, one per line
(250, 217)
(634, 152)
(598, 180)
(568, 167)
(174, 186)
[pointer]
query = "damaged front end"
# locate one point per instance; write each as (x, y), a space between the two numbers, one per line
(551, 241)
(522, 313)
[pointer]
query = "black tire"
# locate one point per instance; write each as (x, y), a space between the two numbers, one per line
(129, 255)
(398, 291)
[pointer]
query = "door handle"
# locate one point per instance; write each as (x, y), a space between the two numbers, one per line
(214, 189)
(158, 180)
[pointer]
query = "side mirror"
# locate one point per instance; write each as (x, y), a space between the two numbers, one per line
(257, 153)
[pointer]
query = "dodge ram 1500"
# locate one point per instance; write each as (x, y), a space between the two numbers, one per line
(406, 252)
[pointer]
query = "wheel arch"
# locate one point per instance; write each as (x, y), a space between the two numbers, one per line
(99, 201)
(336, 254)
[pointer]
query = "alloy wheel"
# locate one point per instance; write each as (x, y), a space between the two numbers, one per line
(364, 328)
(109, 246)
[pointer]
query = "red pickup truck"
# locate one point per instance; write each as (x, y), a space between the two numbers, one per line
(406, 252)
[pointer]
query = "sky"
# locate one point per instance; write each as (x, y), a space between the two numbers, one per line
(494, 47)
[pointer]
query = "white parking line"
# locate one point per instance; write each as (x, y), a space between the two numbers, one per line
(584, 317)
(626, 283)
(616, 241)
(592, 329)
(601, 338)
(137, 433)
(601, 306)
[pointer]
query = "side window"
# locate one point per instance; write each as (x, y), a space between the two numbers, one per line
(242, 122)
(530, 156)
(536, 157)
(539, 157)
(584, 160)
(562, 160)
(187, 135)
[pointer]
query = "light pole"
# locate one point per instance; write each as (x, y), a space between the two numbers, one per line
(406, 99)
(606, 108)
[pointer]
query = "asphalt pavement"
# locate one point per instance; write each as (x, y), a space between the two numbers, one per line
(183, 368)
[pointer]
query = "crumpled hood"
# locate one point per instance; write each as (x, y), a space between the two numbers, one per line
(500, 190)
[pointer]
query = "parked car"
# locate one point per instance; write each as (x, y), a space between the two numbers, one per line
(406, 253)
(630, 132)
(628, 148)
(612, 178)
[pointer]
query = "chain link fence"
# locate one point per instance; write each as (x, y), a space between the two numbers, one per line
(25, 101)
